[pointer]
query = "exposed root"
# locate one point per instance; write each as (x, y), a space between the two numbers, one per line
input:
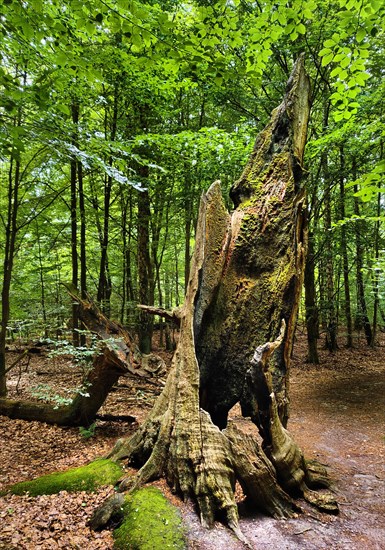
(316, 475)
(110, 509)
(294, 474)
(324, 501)
(238, 533)
(257, 475)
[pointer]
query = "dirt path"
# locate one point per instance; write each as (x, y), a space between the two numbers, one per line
(337, 417)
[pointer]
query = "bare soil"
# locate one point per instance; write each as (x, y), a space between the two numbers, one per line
(337, 416)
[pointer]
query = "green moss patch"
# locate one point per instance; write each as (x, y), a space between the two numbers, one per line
(151, 523)
(85, 478)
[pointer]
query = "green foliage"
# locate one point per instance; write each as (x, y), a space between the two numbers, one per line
(89, 432)
(175, 90)
(45, 392)
(86, 478)
(150, 521)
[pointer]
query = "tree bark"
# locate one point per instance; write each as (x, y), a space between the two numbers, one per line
(10, 245)
(376, 271)
(344, 250)
(145, 267)
(331, 315)
(74, 223)
(362, 318)
(312, 321)
(236, 335)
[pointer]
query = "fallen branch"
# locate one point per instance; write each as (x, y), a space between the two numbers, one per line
(173, 315)
(17, 361)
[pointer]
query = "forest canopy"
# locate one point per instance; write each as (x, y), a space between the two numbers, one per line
(116, 115)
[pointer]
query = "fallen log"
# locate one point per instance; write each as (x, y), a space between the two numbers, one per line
(117, 356)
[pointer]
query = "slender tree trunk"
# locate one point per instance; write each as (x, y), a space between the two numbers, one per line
(188, 207)
(312, 322)
(376, 301)
(344, 250)
(104, 286)
(9, 256)
(128, 293)
(58, 296)
(83, 253)
(105, 283)
(177, 297)
(322, 299)
(123, 208)
(362, 319)
(167, 302)
(375, 275)
(145, 268)
(42, 283)
(83, 248)
(74, 223)
(331, 330)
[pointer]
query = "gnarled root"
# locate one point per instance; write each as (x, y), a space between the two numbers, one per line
(294, 474)
(257, 475)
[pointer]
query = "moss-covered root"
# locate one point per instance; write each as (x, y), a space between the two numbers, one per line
(86, 478)
(150, 523)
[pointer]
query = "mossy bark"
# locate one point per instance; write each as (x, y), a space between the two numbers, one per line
(236, 335)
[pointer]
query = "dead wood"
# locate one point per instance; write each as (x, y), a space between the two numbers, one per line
(117, 356)
(173, 315)
(242, 300)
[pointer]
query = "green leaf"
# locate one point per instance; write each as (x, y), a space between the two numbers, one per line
(336, 71)
(360, 35)
(376, 5)
(327, 59)
(63, 109)
(345, 61)
(329, 43)
(325, 51)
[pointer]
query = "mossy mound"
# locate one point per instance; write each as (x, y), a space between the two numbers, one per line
(151, 523)
(86, 478)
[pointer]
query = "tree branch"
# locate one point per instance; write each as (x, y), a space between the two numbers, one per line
(173, 315)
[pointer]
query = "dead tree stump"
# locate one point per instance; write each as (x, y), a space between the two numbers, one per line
(236, 335)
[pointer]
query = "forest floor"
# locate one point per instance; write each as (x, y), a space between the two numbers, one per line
(337, 417)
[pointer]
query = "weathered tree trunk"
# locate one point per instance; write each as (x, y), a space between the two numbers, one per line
(118, 355)
(236, 334)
